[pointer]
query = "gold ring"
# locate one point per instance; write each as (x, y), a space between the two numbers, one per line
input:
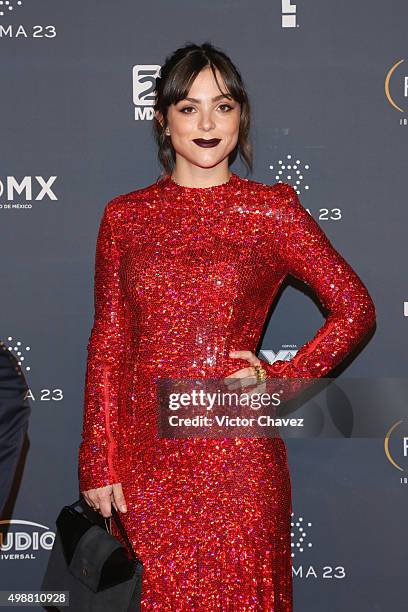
(260, 373)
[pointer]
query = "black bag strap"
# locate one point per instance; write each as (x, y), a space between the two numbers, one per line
(118, 523)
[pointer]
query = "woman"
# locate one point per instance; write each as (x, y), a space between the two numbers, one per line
(186, 270)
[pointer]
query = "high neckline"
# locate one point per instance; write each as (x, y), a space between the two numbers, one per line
(171, 184)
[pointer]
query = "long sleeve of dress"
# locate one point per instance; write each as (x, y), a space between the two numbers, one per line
(307, 254)
(98, 457)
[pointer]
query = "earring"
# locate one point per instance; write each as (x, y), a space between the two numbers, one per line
(167, 131)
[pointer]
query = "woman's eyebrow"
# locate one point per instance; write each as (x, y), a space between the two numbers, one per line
(213, 99)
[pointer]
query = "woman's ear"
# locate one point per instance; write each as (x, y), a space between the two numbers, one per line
(159, 117)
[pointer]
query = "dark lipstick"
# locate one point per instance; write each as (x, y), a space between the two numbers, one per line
(201, 142)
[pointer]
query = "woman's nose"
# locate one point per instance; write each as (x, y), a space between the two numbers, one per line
(206, 121)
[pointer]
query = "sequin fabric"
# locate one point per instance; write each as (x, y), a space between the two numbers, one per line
(183, 276)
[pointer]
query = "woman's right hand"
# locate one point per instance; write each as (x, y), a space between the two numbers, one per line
(101, 499)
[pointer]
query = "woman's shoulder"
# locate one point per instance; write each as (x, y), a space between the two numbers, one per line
(279, 190)
(125, 201)
(279, 195)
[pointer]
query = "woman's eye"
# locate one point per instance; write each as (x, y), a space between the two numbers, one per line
(228, 107)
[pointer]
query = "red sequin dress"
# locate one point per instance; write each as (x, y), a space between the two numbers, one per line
(182, 276)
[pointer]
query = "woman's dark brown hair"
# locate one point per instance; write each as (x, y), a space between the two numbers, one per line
(176, 77)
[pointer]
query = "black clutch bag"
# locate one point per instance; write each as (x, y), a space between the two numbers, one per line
(99, 573)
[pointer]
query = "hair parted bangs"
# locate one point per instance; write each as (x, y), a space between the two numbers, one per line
(173, 84)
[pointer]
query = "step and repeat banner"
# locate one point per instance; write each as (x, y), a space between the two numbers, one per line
(328, 85)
